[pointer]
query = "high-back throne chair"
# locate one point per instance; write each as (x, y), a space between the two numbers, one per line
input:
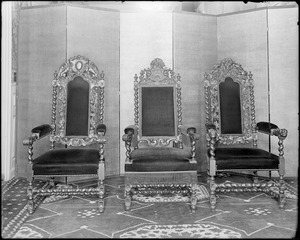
(77, 132)
(160, 152)
(232, 132)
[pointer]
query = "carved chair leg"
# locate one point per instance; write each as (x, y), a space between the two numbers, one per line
(127, 195)
(101, 196)
(208, 178)
(255, 177)
(51, 182)
(30, 205)
(282, 198)
(212, 193)
(193, 198)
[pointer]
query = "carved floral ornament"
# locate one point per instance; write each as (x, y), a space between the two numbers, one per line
(157, 74)
(77, 66)
(228, 68)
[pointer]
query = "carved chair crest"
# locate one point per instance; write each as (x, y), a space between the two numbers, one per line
(228, 69)
(81, 69)
(158, 76)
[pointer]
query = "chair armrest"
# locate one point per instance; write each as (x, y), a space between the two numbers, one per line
(130, 134)
(265, 127)
(101, 129)
(42, 130)
(272, 130)
(37, 133)
(211, 132)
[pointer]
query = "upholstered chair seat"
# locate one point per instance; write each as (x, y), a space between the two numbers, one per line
(67, 161)
(244, 158)
(160, 159)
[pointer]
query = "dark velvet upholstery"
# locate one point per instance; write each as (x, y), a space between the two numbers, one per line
(67, 162)
(230, 107)
(244, 158)
(78, 108)
(266, 127)
(160, 159)
(42, 130)
(158, 111)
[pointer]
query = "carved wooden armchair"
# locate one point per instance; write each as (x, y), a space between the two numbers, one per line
(232, 132)
(76, 132)
(160, 152)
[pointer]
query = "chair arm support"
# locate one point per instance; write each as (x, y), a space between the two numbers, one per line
(37, 133)
(130, 139)
(130, 134)
(101, 129)
(191, 131)
(30, 140)
(189, 138)
(281, 133)
(273, 130)
(211, 140)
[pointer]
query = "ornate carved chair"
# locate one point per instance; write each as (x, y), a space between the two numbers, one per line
(160, 152)
(232, 132)
(76, 132)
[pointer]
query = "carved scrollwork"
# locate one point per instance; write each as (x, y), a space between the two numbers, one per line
(77, 66)
(228, 68)
(158, 74)
(158, 142)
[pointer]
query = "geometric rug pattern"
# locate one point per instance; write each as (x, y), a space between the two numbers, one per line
(13, 204)
(246, 215)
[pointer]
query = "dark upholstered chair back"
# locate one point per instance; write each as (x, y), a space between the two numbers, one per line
(157, 105)
(77, 107)
(230, 103)
(158, 111)
(230, 107)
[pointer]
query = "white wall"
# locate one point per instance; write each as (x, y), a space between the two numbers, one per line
(284, 81)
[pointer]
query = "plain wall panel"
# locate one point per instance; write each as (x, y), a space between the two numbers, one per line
(143, 37)
(284, 81)
(195, 52)
(41, 46)
(243, 38)
(94, 33)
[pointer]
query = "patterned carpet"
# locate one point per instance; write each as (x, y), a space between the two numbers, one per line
(247, 215)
